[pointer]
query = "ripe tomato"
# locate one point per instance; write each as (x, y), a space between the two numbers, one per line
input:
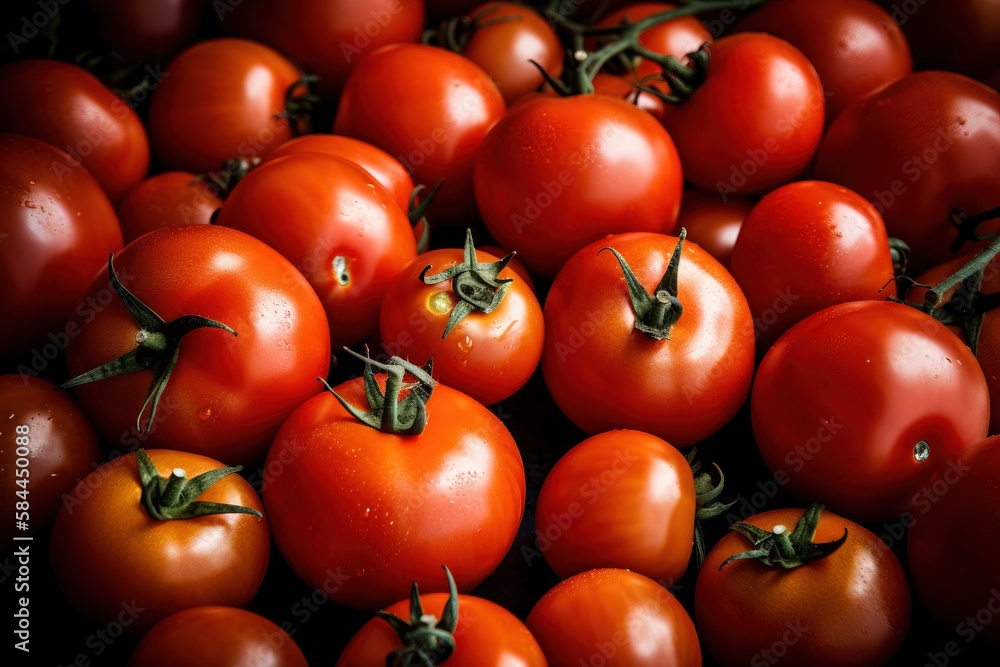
(452, 103)
(615, 618)
(56, 230)
(486, 344)
(147, 30)
(603, 372)
(858, 403)
(750, 613)
(336, 224)
(169, 199)
(46, 446)
(756, 121)
(221, 99)
(805, 246)
(920, 149)
(213, 635)
(713, 222)
(853, 44)
(227, 395)
(574, 170)
(959, 590)
(68, 107)
(361, 513)
(618, 499)
(109, 553)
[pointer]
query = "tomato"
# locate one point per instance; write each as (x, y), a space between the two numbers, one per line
(214, 635)
(327, 38)
(618, 615)
(221, 99)
(68, 107)
(169, 199)
(226, 395)
(111, 557)
(849, 608)
(46, 446)
(627, 88)
(853, 44)
(957, 506)
(605, 372)
(857, 404)
(713, 222)
(56, 230)
(145, 30)
(335, 223)
(677, 37)
(805, 246)
(920, 149)
(486, 344)
(621, 499)
(756, 121)
(451, 104)
(574, 170)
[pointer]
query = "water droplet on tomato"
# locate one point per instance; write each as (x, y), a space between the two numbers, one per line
(204, 414)
(29, 204)
(465, 345)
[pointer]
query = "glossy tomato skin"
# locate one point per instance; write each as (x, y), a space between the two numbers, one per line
(336, 224)
(220, 99)
(68, 107)
(756, 121)
(956, 507)
(622, 499)
(747, 612)
(488, 356)
(854, 45)
(147, 30)
(487, 635)
(806, 246)
(107, 551)
(841, 401)
(452, 103)
(713, 222)
(377, 511)
(57, 232)
(604, 374)
(556, 174)
(227, 395)
(622, 616)
(216, 635)
(46, 446)
(919, 149)
(169, 199)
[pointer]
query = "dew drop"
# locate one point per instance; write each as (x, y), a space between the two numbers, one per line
(440, 303)
(204, 414)
(29, 204)
(921, 450)
(465, 345)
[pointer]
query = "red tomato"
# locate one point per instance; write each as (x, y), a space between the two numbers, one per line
(621, 499)
(169, 199)
(615, 618)
(857, 404)
(361, 513)
(749, 613)
(681, 388)
(226, 395)
(713, 222)
(212, 636)
(452, 103)
(756, 121)
(111, 557)
(46, 446)
(336, 224)
(853, 44)
(66, 106)
(556, 174)
(487, 355)
(148, 30)
(920, 149)
(56, 230)
(221, 99)
(805, 246)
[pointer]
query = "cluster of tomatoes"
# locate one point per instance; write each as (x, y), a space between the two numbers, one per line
(611, 333)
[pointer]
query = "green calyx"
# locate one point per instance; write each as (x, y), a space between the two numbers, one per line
(157, 348)
(388, 412)
(779, 548)
(175, 497)
(300, 103)
(707, 503)
(656, 313)
(476, 284)
(427, 641)
(415, 212)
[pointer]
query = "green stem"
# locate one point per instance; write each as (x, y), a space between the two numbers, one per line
(426, 640)
(778, 548)
(175, 497)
